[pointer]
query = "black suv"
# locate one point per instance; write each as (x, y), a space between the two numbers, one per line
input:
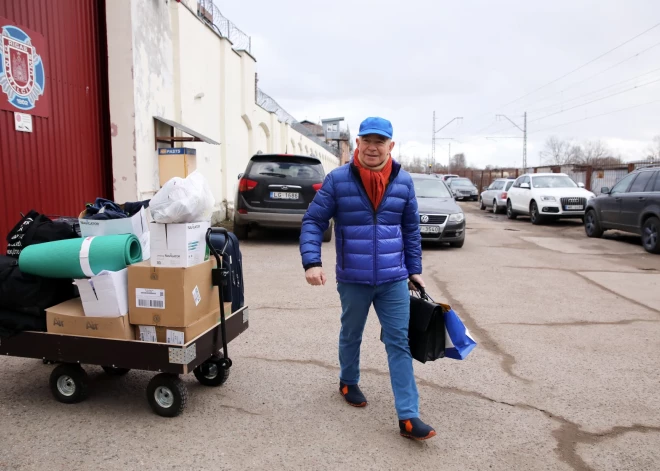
(632, 205)
(275, 191)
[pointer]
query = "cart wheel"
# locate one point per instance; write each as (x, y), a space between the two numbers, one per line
(68, 383)
(212, 372)
(167, 395)
(112, 371)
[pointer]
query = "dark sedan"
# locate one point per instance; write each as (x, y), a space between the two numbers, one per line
(632, 205)
(441, 218)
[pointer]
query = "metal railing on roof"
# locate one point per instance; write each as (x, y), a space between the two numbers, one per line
(210, 13)
(270, 105)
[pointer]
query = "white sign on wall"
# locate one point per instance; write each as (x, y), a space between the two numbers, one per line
(23, 122)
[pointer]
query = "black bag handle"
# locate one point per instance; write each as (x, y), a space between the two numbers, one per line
(422, 292)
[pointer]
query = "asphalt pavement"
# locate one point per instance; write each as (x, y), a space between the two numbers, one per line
(565, 375)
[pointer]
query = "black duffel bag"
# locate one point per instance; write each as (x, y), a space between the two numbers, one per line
(30, 295)
(35, 228)
(426, 329)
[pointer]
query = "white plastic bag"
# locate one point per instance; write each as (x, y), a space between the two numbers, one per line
(183, 200)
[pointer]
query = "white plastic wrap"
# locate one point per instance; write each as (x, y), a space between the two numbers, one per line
(183, 200)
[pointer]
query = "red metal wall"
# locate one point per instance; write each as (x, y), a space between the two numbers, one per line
(65, 162)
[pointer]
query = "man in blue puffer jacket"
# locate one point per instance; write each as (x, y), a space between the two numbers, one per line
(372, 200)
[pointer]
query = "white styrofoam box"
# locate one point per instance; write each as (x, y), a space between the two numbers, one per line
(136, 224)
(178, 245)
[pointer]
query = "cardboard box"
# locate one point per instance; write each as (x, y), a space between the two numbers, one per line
(179, 245)
(170, 297)
(106, 294)
(179, 335)
(136, 224)
(69, 318)
(176, 162)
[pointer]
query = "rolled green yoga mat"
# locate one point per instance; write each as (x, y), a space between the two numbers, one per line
(64, 258)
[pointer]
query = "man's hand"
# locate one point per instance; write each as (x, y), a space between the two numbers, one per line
(315, 276)
(417, 279)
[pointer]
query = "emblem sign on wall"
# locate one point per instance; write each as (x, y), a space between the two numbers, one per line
(22, 70)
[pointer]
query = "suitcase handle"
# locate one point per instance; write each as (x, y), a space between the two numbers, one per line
(219, 278)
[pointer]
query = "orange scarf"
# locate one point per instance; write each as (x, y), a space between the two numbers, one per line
(375, 181)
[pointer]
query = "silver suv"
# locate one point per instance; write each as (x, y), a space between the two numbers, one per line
(494, 197)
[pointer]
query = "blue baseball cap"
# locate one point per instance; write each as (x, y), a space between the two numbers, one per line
(376, 126)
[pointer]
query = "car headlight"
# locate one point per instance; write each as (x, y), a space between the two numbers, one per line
(548, 198)
(458, 217)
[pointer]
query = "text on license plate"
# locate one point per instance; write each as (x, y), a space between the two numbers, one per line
(429, 229)
(282, 195)
(574, 207)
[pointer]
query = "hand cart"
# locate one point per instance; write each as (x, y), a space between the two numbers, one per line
(166, 393)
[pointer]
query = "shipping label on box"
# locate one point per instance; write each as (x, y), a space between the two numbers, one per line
(152, 298)
(136, 224)
(179, 245)
(181, 335)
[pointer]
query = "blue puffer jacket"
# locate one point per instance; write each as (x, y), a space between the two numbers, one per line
(373, 247)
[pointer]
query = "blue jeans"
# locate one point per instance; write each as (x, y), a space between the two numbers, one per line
(392, 304)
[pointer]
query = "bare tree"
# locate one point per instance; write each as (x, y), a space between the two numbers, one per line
(458, 162)
(654, 149)
(560, 152)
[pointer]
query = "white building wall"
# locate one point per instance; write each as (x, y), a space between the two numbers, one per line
(183, 71)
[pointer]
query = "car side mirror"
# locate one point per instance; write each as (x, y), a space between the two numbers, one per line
(605, 190)
(525, 186)
(581, 185)
(240, 175)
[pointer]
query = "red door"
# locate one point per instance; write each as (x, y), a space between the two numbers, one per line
(54, 69)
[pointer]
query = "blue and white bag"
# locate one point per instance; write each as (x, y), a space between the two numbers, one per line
(458, 341)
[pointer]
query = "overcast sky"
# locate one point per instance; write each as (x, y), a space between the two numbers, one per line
(405, 59)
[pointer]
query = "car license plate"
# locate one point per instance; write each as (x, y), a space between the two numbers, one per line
(429, 229)
(573, 207)
(281, 195)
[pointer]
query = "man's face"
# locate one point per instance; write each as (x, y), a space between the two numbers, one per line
(374, 149)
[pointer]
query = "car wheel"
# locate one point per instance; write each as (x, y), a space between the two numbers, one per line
(534, 215)
(651, 235)
(482, 206)
(495, 208)
(591, 225)
(510, 214)
(458, 244)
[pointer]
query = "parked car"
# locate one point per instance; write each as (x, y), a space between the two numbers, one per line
(448, 176)
(632, 205)
(441, 218)
(275, 191)
(495, 196)
(544, 196)
(463, 188)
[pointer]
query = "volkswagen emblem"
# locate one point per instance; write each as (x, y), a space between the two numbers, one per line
(425, 219)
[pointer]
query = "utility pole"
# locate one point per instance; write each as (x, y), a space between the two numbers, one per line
(449, 158)
(433, 138)
(524, 136)
(525, 144)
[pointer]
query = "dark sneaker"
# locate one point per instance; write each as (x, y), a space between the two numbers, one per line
(415, 429)
(352, 394)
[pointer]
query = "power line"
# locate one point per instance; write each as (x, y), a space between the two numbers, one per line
(582, 66)
(598, 115)
(594, 101)
(601, 72)
(584, 104)
(595, 91)
(579, 68)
